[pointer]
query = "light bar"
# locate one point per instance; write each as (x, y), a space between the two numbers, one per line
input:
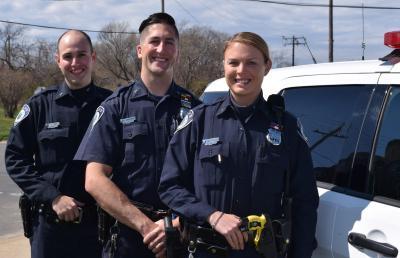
(392, 39)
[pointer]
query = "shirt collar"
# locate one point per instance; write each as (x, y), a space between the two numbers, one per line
(227, 107)
(64, 90)
(140, 90)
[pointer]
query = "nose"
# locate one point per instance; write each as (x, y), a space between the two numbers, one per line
(240, 68)
(74, 60)
(161, 46)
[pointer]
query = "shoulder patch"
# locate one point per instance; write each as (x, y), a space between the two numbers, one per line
(25, 110)
(186, 120)
(99, 113)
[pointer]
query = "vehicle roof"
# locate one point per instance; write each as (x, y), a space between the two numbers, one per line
(314, 74)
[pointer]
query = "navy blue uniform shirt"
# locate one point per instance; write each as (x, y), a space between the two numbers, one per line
(130, 133)
(43, 141)
(217, 162)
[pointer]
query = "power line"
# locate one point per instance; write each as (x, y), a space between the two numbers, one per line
(324, 5)
(62, 28)
(187, 11)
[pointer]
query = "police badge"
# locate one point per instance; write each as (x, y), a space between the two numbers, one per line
(274, 135)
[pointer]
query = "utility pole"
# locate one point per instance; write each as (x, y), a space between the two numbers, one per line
(162, 6)
(296, 41)
(330, 30)
(8, 49)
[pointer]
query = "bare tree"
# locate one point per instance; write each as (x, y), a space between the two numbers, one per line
(116, 52)
(200, 57)
(280, 59)
(14, 52)
(12, 89)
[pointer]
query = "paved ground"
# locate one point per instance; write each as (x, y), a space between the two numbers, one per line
(12, 242)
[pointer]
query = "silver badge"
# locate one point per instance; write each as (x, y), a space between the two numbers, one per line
(186, 121)
(211, 141)
(274, 136)
(128, 120)
(22, 114)
(99, 113)
(52, 125)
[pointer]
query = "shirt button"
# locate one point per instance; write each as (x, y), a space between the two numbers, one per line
(241, 129)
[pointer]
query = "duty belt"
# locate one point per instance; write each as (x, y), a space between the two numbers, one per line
(203, 238)
(150, 211)
(85, 213)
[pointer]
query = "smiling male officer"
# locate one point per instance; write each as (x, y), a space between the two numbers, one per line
(39, 156)
(128, 139)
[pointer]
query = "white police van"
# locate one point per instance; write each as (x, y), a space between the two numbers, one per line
(350, 112)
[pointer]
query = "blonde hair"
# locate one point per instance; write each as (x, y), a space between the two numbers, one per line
(252, 39)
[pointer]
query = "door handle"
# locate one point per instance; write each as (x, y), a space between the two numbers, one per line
(361, 241)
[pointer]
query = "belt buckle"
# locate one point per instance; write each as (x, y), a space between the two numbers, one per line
(79, 218)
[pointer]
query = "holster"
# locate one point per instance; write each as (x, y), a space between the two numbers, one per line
(105, 222)
(25, 205)
(198, 237)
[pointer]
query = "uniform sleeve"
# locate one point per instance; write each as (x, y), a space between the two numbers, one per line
(176, 184)
(19, 158)
(305, 201)
(102, 142)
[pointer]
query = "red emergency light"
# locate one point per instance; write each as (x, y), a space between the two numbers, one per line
(392, 39)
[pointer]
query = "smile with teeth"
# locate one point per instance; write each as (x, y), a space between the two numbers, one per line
(242, 81)
(159, 59)
(77, 71)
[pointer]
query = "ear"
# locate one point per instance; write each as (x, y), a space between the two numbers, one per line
(139, 51)
(268, 66)
(57, 59)
(94, 56)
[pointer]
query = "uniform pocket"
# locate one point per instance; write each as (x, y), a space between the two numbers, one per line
(135, 137)
(271, 165)
(54, 147)
(214, 162)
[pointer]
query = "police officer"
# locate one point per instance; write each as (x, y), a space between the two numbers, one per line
(127, 140)
(229, 159)
(40, 150)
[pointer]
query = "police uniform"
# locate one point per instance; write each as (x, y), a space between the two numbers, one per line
(39, 158)
(130, 132)
(234, 161)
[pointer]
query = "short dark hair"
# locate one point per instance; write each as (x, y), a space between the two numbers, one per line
(80, 31)
(155, 18)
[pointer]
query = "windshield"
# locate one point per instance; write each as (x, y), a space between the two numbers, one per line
(210, 96)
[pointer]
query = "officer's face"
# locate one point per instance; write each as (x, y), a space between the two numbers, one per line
(158, 50)
(245, 68)
(75, 60)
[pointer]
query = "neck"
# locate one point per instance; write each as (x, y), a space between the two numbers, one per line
(74, 86)
(157, 85)
(244, 101)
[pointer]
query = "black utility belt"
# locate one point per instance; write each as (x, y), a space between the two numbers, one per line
(150, 211)
(85, 213)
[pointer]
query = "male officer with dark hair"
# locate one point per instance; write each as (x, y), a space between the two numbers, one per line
(127, 140)
(40, 150)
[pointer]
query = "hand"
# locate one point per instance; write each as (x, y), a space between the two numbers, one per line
(228, 226)
(155, 239)
(66, 208)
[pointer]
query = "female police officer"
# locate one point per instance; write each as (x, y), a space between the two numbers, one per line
(229, 159)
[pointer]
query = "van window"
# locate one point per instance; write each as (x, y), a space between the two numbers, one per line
(210, 96)
(386, 166)
(332, 118)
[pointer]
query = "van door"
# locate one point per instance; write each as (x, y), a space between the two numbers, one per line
(376, 233)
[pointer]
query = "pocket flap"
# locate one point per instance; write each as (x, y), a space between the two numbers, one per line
(135, 129)
(51, 134)
(209, 151)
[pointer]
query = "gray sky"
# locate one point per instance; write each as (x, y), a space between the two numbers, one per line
(271, 21)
